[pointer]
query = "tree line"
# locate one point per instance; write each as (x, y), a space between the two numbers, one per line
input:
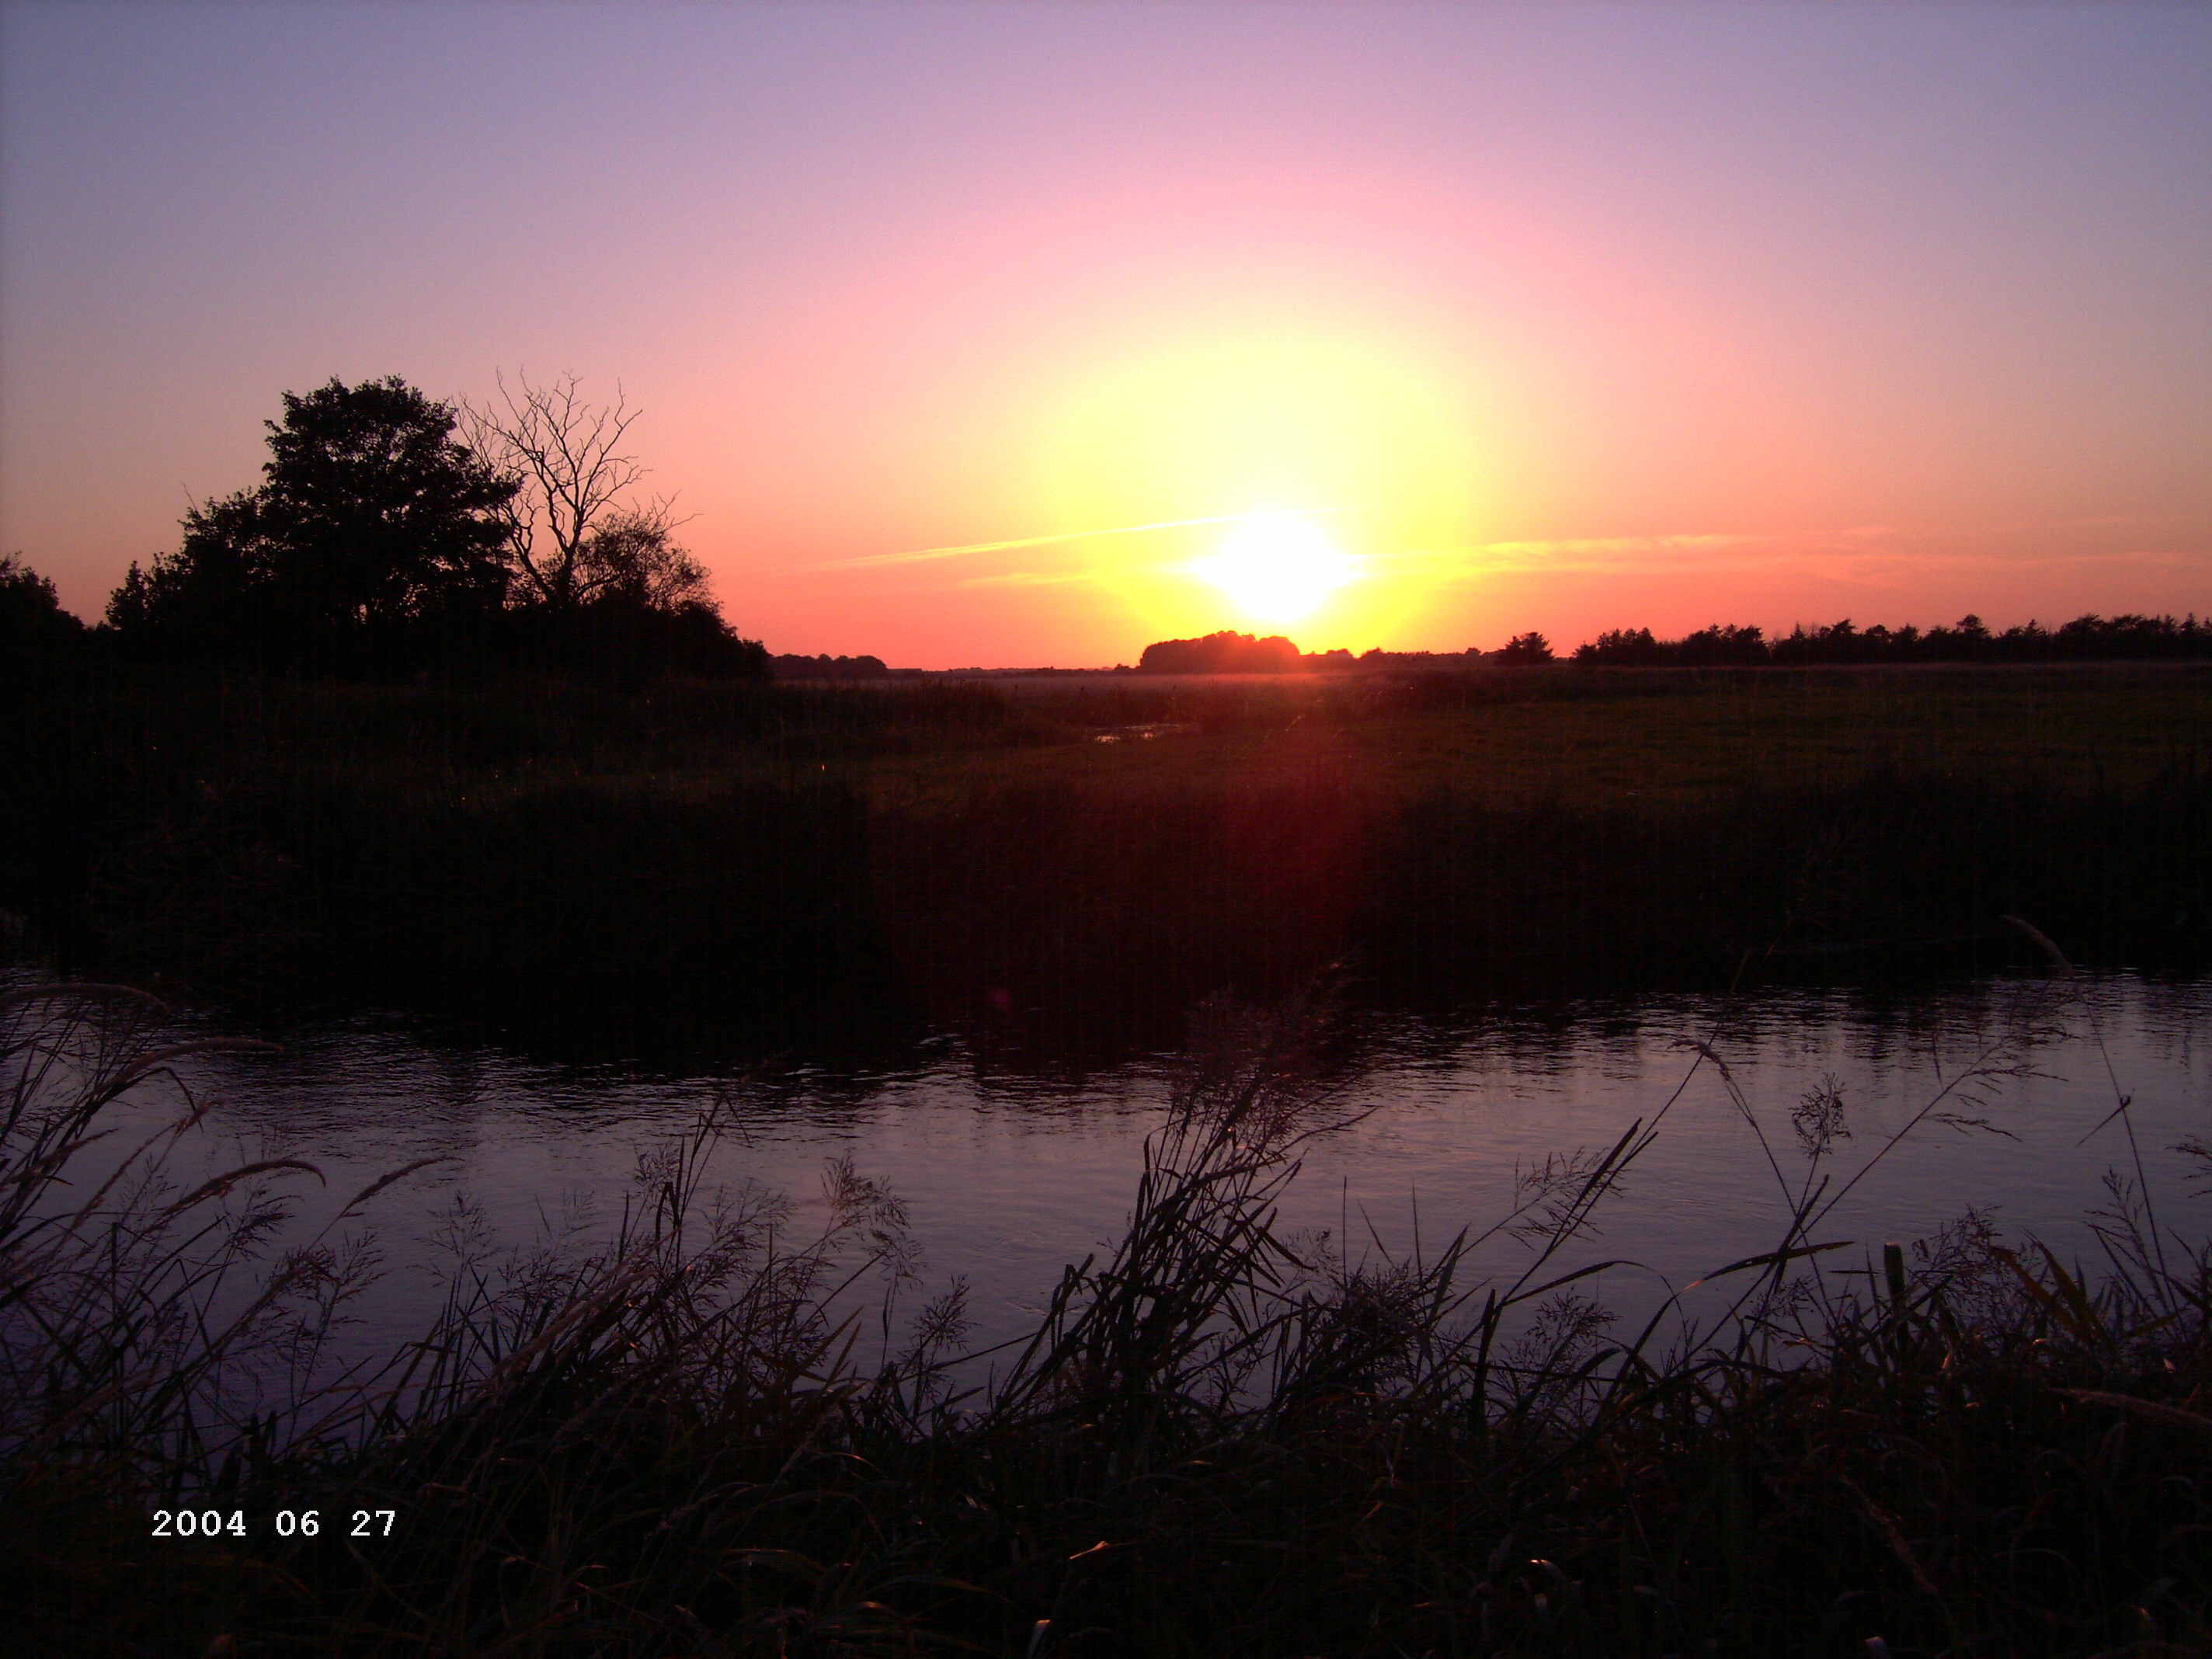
(394, 533)
(1231, 653)
(2087, 638)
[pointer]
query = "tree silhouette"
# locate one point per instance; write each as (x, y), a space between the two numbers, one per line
(380, 540)
(1225, 652)
(1524, 649)
(374, 511)
(34, 627)
(631, 560)
(371, 517)
(213, 596)
(576, 533)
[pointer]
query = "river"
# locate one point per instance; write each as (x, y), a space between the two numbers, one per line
(1006, 1175)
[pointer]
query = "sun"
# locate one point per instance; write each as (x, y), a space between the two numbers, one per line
(1278, 566)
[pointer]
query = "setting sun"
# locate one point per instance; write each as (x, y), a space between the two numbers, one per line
(1278, 566)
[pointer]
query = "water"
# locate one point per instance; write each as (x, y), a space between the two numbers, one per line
(1007, 1177)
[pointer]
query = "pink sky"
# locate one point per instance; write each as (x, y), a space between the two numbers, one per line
(1561, 318)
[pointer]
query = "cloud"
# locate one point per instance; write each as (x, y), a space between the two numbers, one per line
(1859, 552)
(918, 556)
(1580, 554)
(1036, 578)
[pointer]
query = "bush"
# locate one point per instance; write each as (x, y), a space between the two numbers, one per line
(1225, 652)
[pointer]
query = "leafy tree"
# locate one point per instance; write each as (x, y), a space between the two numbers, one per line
(34, 627)
(374, 511)
(379, 538)
(630, 559)
(371, 516)
(1523, 649)
(213, 596)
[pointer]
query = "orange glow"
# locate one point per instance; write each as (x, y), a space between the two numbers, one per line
(1273, 425)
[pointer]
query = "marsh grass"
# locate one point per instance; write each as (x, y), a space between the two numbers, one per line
(779, 866)
(704, 1431)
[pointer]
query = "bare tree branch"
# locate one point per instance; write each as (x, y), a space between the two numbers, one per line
(572, 535)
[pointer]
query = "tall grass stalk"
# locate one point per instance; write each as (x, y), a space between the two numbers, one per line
(709, 1432)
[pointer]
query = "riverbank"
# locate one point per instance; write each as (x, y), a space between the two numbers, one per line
(1214, 1441)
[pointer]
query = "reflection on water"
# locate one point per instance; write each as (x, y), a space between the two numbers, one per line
(1008, 1177)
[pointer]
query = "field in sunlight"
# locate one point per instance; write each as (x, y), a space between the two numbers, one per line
(1584, 738)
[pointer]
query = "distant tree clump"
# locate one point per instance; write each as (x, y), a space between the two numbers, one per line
(1225, 652)
(1522, 650)
(827, 667)
(1375, 658)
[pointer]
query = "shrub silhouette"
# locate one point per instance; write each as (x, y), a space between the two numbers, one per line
(1225, 652)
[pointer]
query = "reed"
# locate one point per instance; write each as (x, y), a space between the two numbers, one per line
(707, 1433)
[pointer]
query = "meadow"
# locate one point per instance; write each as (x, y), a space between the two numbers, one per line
(1074, 860)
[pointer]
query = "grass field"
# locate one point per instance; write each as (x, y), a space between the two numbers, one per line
(1577, 735)
(1600, 738)
(1103, 848)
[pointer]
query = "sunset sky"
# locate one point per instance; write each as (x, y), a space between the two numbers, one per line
(1002, 335)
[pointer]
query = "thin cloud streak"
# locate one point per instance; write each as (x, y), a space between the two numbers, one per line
(921, 554)
(1962, 547)
(1853, 554)
(1036, 578)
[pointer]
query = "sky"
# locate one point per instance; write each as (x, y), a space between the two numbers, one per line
(1014, 335)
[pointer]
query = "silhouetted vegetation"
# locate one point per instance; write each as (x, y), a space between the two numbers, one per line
(36, 635)
(1225, 652)
(2088, 638)
(1522, 649)
(677, 852)
(712, 1432)
(380, 544)
(1228, 652)
(1217, 1440)
(733, 865)
(827, 667)
(575, 535)
(372, 524)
